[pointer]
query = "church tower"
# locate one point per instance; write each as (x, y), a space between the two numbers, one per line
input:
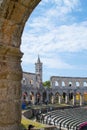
(38, 71)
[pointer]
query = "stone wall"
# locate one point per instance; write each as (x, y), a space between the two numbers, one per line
(13, 16)
(67, 81)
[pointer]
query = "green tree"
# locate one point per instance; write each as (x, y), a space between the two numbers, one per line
(46, 84)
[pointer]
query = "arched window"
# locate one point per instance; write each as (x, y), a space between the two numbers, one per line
(56, 83)
(77, 84)
(31, 82)
(70, 84)
(24, 81)
(85, 84)
(63, 83)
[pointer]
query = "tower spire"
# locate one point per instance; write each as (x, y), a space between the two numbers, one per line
(38, 60)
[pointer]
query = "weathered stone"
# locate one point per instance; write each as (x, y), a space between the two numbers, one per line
(13, 16)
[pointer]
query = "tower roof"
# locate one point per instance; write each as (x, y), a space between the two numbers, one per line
(38, 60)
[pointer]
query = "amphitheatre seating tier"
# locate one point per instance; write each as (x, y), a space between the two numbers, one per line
(66, 118)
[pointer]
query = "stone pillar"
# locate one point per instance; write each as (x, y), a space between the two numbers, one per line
(81, 100)
(53, 84)
(74, 83)
(10, 88)
(74, 99)
(73, 102)
(52, 99)
(34, 99)
(29, 96)
(60, 83)
(81, 84)
(66, 98)
(60, 99)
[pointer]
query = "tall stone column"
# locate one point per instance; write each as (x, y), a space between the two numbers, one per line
(74, 99)
(10, 88)
(66, 98)
(34, 98)
(52, 100)
(29, 96)
(60, 98)
(73, 102)
(81, 100)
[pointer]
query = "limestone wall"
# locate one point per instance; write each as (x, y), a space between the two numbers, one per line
(68, 81)
(13, 16)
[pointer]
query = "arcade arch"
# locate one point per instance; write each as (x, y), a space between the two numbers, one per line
(13, 16)
(38, 97)
(24, 81)
(77, 84)
(63, 84)
(51, 98)
(70, 83)
(56, 83)
(56, 97)
(32, 97)
(77, 98)
(85, 84)
(64, 97)
(44, 95)
(85, 97)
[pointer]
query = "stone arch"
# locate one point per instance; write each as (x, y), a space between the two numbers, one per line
(32, 97)
(24, 82)
(77, 84)
(71, 96)
(56, 84)
(85, 83)
(44, 95)
(51, 97)
(31, 81)
(38, 97)
(70, 83)
(13, 16)
(64, 96)
(85, 97)
(24, 94)
(77, 97)
(56, 98)
(63, 84)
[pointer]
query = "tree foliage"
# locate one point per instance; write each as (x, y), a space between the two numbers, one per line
(46, 84)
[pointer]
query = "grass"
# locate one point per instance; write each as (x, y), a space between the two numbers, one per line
(25, 122)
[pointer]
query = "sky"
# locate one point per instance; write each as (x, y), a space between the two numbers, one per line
(57, 32)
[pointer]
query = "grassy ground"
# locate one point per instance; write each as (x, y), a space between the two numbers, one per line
(25, 122)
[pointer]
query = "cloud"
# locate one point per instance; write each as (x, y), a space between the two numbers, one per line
(55, 11)
(70, 38)
(68, 5)
(56, 62)
(46, 35)
(64, 38)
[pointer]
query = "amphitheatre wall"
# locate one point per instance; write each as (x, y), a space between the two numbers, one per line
(68, 81)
